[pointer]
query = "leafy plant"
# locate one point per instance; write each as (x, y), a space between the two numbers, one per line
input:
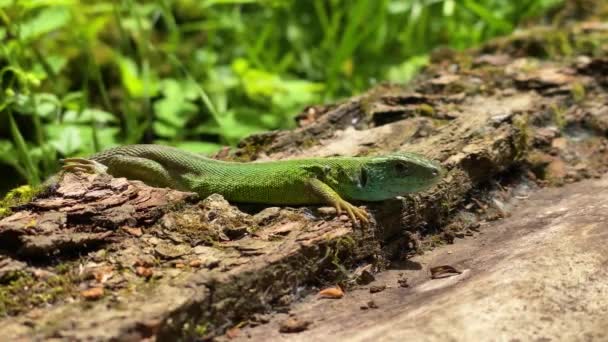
(81, 76)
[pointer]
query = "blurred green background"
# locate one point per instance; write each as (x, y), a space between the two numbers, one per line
(81, 76)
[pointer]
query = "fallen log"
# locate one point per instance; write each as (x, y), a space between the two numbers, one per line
(102, 258)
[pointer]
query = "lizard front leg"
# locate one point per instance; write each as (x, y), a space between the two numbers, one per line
(330, 196)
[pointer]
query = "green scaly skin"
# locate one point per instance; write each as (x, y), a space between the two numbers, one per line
(334, 180)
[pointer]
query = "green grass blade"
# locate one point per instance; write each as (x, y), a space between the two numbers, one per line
(33, 177)
(497, 23)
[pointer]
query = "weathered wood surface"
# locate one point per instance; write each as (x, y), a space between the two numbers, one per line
(539, 275)
(101, 258)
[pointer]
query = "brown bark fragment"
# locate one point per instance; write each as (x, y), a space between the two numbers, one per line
(293, 325)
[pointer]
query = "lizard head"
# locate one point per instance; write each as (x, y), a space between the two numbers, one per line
(383, 177)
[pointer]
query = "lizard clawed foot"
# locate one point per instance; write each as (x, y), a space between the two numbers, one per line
(83, 165)
(353, 212)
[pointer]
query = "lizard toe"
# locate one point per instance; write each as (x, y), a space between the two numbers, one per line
(75, 168)
(83, 165)
(351, 214)
(356, 214)
(362, 215)
(77, 161)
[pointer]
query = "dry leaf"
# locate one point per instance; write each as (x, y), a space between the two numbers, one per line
(195, 263)
(332, 293)
(102, 274)
(137, 232)
(145, 272)
(92, 293)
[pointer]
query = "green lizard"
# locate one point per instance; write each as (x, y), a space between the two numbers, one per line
(333, 180)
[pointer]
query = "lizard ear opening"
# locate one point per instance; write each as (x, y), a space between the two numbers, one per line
(363, 177)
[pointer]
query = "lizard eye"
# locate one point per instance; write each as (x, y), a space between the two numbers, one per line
(402, 168)
(363, 178)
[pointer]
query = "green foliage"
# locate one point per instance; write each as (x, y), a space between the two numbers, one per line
(80, 76)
